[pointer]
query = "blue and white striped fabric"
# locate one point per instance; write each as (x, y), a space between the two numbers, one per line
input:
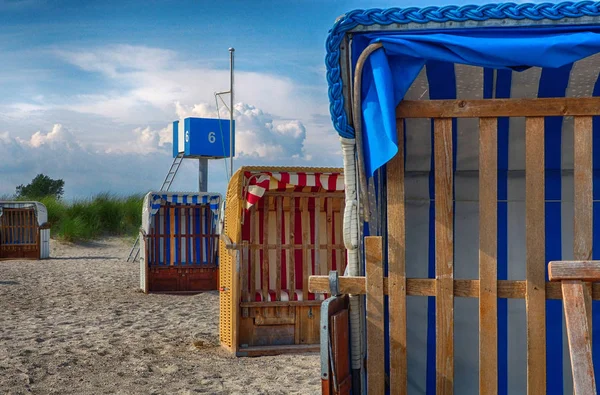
(174, 223)
(185, 198)
(449, 81)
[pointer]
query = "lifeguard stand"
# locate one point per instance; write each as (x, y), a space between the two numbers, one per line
(201, 139)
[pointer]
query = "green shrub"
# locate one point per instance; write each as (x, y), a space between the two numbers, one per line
(102, 215)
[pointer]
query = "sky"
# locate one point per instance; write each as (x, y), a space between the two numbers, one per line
(89, 89)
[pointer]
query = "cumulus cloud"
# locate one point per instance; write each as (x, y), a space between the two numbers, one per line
(119, 138)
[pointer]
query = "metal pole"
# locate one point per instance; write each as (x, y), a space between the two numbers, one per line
(231, 152)
(203, 175)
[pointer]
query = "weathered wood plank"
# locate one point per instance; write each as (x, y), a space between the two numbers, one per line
(490, 108)
(375, 316)
(583, 206)
(329, 227)
(509, 289)
(317, 250)
(265, 260)
(173, 240)
(291, 253)
(255, 257)
(578, 333)
(306, 255)
(397, 268)
(278, 230)
(244, 270)
(444, 257)
(488, 264)
(574, 270)
(535, 256)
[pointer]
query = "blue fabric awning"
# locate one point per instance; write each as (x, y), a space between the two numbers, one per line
(390, 71)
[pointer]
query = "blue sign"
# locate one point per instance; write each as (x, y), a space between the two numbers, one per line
(202, 137)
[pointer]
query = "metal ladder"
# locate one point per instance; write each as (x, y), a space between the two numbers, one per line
(135, 250)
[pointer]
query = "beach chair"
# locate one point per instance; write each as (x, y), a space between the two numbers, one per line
(179, 242)
(280, 226)
(474, 132)
(24, 230)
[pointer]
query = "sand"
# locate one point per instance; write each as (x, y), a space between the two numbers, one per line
(77, 324)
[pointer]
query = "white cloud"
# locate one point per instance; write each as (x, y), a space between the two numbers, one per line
(119, 139)
(257, 135)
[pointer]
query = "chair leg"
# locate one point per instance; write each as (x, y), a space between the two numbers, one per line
(578, 334)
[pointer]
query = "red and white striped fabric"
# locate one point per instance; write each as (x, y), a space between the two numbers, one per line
(258, 184)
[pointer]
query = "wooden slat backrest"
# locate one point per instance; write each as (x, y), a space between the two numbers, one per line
(279, 252)
(534, 289)
(18, 226)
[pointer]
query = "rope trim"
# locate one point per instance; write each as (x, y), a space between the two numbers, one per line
(384, 17)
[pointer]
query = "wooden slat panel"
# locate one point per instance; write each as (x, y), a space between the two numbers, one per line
(583, 206)
(582, 106)
(375, 316)
(578, 333)
(317, 250)
(508, 289)
(444, 257)
(173, 240)
(291, 253)
(165, 240)
(306, 260)
(340, 262)
(255, 256)
(397, 268)
(188, 231)
(329, 219)
(278, 233)
(488, 264)
(535, 271)
(265, 261)
(244, 272)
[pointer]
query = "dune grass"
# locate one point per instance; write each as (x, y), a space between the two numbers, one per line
(101, 215)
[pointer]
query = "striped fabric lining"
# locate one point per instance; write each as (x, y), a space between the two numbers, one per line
(448, 81)
(258, 184)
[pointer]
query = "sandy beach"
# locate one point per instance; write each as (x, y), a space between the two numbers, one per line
(77, 324)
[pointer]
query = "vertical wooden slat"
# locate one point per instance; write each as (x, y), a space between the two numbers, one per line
(317, 262)
(488, 264)
(278, 227)
(292, 251)
(306, 261)
(580, 339)
(173, 236)
(254, 242)
(244, 271)
(444, 265)
(265, 263)
(535, 297)
(375, 316)
(188, 231)
(329, 203)
(164, 257)
(198, 236)
(339, 257)
(156, 231)
(583, 206)
(397, 268)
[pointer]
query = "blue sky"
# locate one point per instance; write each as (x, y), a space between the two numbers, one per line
(89, 88)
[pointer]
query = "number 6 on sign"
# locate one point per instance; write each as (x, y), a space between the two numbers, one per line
(211, 137)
